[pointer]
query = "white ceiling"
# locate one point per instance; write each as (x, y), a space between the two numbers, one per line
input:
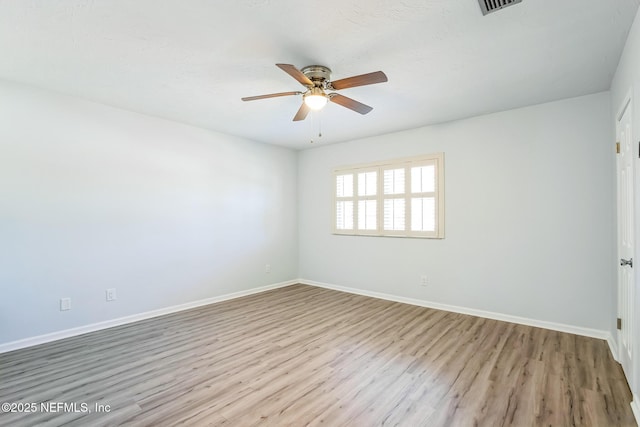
(192, 60)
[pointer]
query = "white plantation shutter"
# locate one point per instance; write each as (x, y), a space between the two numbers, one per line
(367, 207)
(423, 214)
(394, 215)
(367, 215)
(394, 203)
(423, 179)
(394, 181)
(344, 185)
(367, 183)
(402, 198)
(344, 214)
(423, 198)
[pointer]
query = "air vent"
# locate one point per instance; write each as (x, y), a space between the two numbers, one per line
(490, 6)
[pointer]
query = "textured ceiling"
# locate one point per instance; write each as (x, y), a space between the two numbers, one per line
(192, 60)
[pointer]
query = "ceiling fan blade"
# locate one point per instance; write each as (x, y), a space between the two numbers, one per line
(349, 103)
(296, 74)
(302, 113)
(271, 95)
(361, 80)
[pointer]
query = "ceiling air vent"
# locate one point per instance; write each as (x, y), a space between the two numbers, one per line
(490, 6)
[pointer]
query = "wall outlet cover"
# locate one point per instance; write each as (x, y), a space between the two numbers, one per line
(111, 294)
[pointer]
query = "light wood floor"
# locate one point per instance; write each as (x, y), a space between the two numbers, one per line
(308, 356)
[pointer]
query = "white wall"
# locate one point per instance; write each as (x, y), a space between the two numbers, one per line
(529, 216)
(93, 197)
(627, 81)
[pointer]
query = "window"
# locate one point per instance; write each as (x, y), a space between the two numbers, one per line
(403, 198)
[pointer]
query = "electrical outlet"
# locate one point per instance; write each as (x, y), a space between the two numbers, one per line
(65, 304)
(423, 280)
(267, 268)
(111, 294)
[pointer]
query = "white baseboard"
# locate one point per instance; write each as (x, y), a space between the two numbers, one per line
(613, 346)
(635, 408)
(577, 330)
(54, 336)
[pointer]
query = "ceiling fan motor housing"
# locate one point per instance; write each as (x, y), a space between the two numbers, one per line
(318, 74)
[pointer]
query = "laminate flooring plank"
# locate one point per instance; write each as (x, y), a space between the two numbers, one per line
(302, 355)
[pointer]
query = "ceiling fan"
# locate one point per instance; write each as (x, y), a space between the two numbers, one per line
(316, 79)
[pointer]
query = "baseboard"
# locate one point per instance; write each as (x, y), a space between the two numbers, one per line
(54, 336)
(613, 346)
(67, 333)
(635, 408)
(577, 330)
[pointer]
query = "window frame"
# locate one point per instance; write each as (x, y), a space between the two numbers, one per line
(435, 159)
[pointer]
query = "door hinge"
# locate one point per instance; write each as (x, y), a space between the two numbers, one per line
(617, 147)
(619, 323)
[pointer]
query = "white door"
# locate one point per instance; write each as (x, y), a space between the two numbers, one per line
(626, 285)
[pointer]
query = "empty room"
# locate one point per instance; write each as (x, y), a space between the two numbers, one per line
(339, 213)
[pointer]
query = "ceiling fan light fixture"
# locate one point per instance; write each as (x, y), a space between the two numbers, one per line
(316, 99)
